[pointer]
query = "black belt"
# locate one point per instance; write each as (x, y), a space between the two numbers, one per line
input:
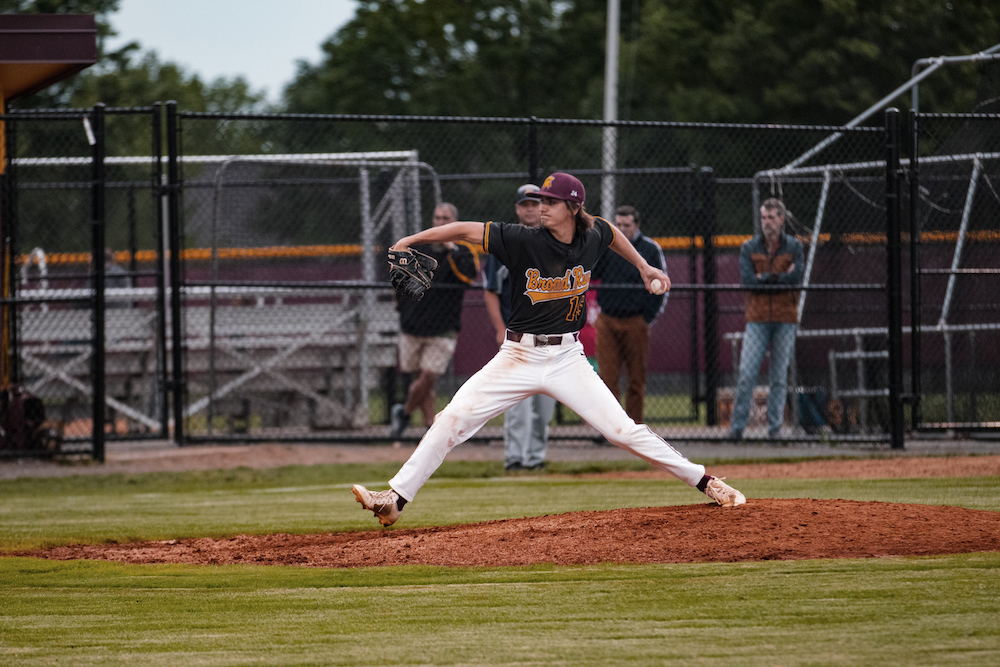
(541, 340)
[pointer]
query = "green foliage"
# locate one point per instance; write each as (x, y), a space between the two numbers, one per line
(123, 80)
(481, 57)
(822, 61)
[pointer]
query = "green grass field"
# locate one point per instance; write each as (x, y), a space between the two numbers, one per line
(904, 611)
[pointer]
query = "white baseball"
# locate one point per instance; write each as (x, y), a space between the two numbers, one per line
(658, 286)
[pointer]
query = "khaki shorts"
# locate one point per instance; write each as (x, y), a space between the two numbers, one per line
(426, 353)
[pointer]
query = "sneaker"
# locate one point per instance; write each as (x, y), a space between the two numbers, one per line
(724, 494)
(513, 467)
(399, 420)
(381, 503)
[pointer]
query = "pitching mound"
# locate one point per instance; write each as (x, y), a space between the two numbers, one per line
(764, 529)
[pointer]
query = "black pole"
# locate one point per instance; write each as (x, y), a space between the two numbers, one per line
(694, 367)
(162, 383)
(97, 277)
(173, 222)
(130, 215)
(894, 279)
(916, 388)
(389, 386)
(535, 177)
(8, 223)
(711, 299)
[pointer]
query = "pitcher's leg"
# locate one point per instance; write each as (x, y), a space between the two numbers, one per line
(497, 386)
(542, 407)
(580, 389)
(782, 347)
(517, 433)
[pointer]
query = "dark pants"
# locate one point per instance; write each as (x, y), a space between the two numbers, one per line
(624, 341)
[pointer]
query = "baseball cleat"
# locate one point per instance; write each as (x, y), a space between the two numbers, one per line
(724, 494)
(381, 503)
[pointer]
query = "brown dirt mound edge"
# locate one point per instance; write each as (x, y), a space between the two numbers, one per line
(764, 529)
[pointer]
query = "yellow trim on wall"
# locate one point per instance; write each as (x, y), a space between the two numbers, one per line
(124, 256)
(354, 250)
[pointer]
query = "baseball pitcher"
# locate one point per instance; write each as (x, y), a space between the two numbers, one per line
(550, 268)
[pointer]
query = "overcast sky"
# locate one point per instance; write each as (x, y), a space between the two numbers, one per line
(258, 39)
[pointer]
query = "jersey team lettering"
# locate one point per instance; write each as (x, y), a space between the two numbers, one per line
(574, 283)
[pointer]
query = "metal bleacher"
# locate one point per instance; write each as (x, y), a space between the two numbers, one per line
(325, 353)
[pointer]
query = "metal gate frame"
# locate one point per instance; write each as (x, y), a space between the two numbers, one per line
(94, 125)
(942, 327)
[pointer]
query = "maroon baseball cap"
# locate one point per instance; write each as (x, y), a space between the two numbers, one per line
(561, 185)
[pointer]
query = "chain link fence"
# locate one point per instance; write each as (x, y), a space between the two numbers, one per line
(286, 219)
(288, 329)
(954, 207)
(80, 184)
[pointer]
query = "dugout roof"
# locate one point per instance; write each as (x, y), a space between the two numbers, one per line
(37, 50)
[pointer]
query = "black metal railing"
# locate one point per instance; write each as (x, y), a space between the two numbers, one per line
(249, 298)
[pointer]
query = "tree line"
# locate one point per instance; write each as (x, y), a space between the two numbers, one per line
(752, 61)
(745, 61)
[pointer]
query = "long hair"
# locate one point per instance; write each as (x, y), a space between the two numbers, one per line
(584, 220)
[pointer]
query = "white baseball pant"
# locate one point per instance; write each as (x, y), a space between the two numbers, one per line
(519, 370)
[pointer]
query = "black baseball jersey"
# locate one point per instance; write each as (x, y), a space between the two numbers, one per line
(549, 279)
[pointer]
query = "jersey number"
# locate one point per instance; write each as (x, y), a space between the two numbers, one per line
(576, 304)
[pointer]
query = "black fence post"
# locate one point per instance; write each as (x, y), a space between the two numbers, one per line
(173, 217)
(162, 383)
(533, 175)
(710, 299)
(894, 279)
(133, 244)
(97, 250)
(691, 222)
(8, 229)
(916, 384)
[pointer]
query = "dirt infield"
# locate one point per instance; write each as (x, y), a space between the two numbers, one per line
(764, 529)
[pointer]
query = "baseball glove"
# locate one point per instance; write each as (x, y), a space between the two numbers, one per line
(411, 272)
